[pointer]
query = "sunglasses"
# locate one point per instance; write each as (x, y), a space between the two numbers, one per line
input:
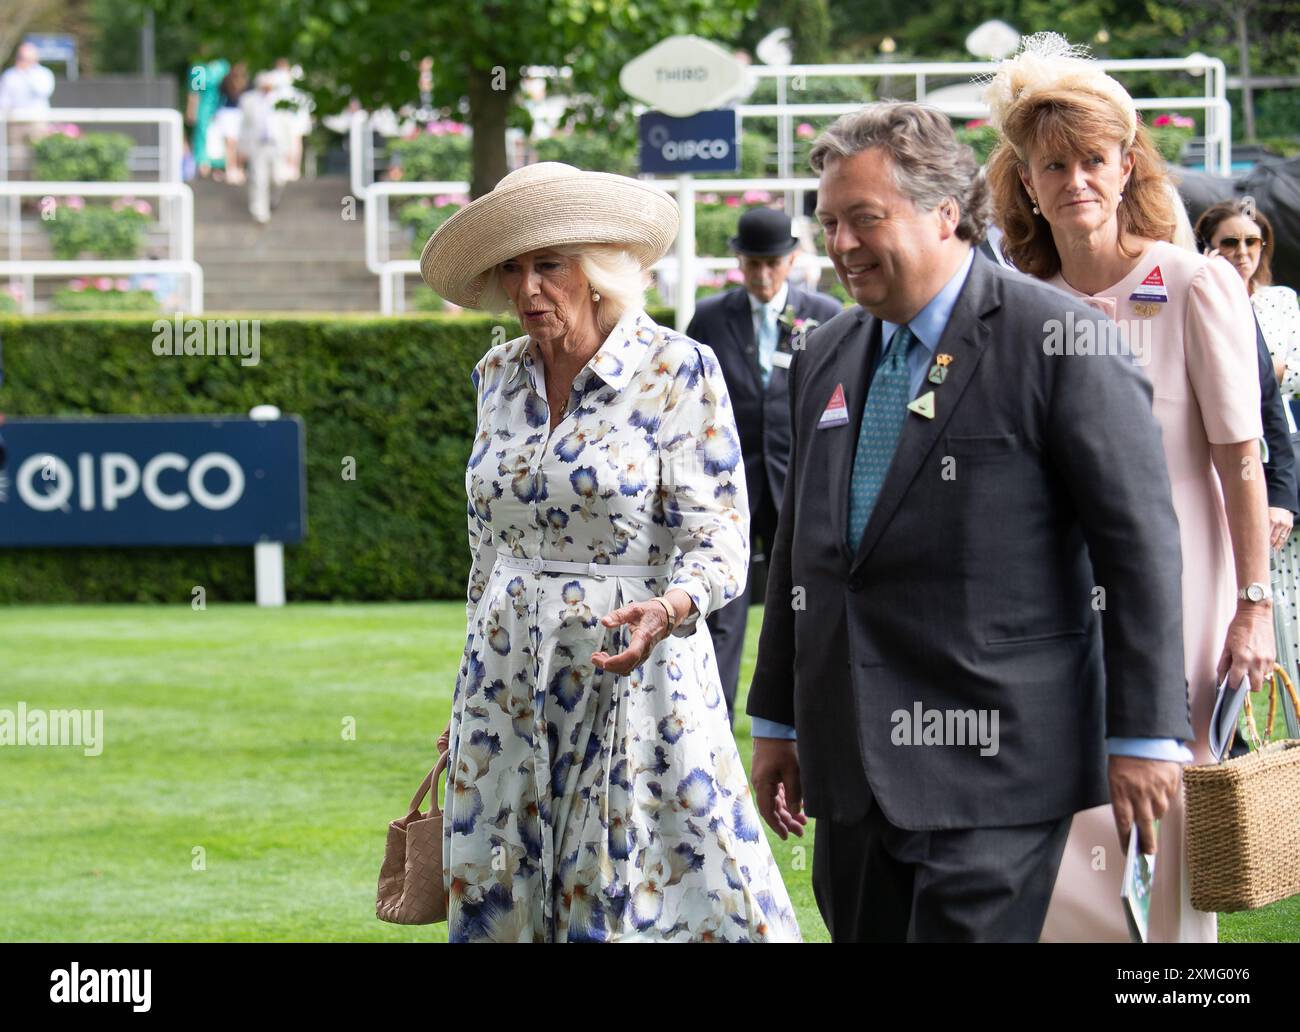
(1230, 243)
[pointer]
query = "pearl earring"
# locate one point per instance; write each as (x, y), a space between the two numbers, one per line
(1035, 209)
(595, 296)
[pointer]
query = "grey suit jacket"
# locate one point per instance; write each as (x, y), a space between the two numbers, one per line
(1022, 560)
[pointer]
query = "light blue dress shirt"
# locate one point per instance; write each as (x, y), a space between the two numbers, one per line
(767, 344)
(927, 326)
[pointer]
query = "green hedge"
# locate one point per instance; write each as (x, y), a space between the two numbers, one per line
(394, 393)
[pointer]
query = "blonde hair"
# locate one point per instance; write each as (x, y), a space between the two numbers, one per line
(1068, 121)
(611, 270)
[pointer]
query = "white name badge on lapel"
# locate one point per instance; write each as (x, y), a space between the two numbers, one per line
(837, 411)
(781, 359)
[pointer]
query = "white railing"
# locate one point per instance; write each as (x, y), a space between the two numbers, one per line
(28, 270)
(171, 131)
(392, 271)
(685, 259)
(361, 154)
(179, 225)
(1218, 113)
(1218, 117)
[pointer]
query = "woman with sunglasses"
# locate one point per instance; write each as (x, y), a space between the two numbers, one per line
(1243, 235)
(1240, 232)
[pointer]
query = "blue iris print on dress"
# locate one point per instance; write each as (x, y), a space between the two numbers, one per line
(696, 792)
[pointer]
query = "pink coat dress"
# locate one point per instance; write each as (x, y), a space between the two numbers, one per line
(1199, 352)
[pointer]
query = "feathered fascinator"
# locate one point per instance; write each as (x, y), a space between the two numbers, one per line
(1049, 61)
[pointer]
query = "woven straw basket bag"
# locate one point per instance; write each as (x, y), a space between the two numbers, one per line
(1243, 821)
(411, 889)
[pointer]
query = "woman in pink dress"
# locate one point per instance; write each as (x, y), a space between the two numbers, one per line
(1083, 200)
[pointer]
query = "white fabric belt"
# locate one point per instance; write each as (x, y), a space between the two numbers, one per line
(537, 564)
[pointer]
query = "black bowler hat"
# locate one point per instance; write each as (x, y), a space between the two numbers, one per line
(763, 233)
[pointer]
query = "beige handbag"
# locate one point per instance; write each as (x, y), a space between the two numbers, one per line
(1243, 838)
(411, 889)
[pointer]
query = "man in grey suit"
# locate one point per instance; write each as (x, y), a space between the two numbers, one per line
(754, 331)
(971, 513)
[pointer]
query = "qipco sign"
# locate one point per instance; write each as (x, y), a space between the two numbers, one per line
(707, 142)
(167, 481)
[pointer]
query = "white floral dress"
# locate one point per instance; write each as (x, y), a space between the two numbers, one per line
(1279, 320)
(582, 805)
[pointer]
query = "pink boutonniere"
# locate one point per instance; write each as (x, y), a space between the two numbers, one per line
(798, 329)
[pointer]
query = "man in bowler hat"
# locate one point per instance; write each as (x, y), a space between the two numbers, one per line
(754, 331)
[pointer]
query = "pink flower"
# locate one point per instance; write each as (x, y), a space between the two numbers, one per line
(756, 197)
(977, 123)
(16, 291)
(122, 283)
(103, 283)
(77, 284)
(735, 276)
(143, 207)
(67, 129)
(708, 198)
(805, 131)
(732, 201)
(1184, 122)
(148, 283)
(1163, 120)
(74, 203)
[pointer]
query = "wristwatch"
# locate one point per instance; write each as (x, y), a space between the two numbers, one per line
(1255, 592)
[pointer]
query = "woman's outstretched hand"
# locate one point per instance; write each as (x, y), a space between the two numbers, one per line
(649, 625)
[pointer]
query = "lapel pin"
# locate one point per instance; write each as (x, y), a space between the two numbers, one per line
(1150, 294)
(923, 406)
(836, 412)
(939, 371)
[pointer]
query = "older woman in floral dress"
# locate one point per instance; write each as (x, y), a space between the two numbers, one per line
(595, 792)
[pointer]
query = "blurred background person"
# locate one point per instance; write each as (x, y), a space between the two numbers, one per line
(225, 124)
(201, 106)
(292, 118)
(261, 146)
(753, 330)
(25, 87)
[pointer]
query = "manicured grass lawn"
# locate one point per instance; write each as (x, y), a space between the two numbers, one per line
(252, 760)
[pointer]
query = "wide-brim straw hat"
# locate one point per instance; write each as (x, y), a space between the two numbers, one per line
(548, 204)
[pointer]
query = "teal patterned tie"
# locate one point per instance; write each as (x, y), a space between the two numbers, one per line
(766, 342)
(882, 422)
